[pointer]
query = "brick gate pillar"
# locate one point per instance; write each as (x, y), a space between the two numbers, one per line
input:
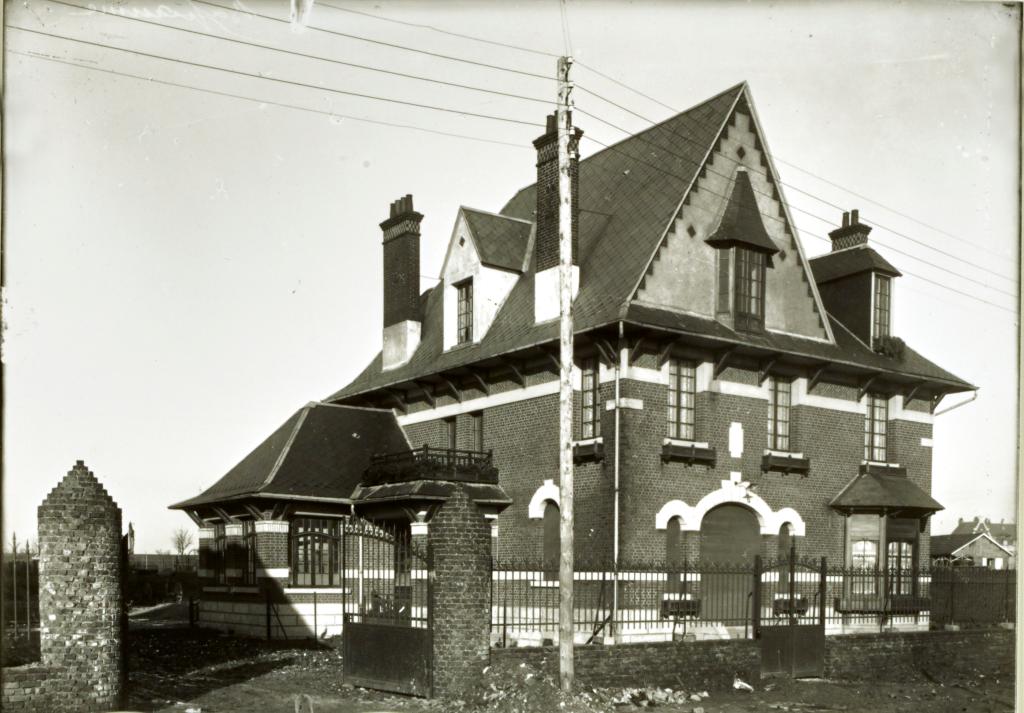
(80, 597)
(460, 551)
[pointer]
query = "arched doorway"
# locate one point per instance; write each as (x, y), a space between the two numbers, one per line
(730, 538)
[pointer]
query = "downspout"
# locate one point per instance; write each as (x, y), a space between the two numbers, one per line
(615, 521)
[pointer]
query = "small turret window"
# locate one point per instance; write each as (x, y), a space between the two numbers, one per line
(750, 268)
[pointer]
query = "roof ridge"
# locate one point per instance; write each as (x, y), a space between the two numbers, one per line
(287, 446)
(495, 215)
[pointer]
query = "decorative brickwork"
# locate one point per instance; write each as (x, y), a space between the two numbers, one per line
(401, 263)
(460, 548)
(80, 596)
(546, 245)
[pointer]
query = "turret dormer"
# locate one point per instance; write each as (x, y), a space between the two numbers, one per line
(856, 283)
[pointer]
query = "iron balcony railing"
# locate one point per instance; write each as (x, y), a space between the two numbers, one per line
(428, 463)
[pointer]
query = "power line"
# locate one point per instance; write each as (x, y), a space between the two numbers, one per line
(808, 213)
(792, 165)
(440, 30)
(323, 112)
(282, 81)
(404, 48)
(303, 54)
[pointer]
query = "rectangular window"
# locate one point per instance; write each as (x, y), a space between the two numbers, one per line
(478, 430)
(465, 324)
(590, 411)
(750, 268)
(249, 545)
(883, 295)
(779, 393)
(864, 560)
(682, 384)
(315, 552)
(219, 554)
(876, 426)
(452, 432)
(901, 566)
(724, 283)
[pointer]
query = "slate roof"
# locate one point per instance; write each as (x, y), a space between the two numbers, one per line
(947, 545)
(998, 530)
(874, 491)
(500, 240)
(629, 194)
(741, 221)
(321, 451)
(843, 263)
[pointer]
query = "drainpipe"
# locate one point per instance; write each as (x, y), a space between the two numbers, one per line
(615, 528)
(962, 403)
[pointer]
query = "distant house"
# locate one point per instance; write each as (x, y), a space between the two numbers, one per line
(970, 549)
(1005, 533)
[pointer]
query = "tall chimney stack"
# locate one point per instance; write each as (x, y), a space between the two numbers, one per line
(546, 240)
(852, 232)
(402, 323)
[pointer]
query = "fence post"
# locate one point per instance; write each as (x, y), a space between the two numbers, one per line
(952, 596)
(756, 604)
(822, 592)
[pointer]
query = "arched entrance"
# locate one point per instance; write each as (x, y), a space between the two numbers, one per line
(730, 538)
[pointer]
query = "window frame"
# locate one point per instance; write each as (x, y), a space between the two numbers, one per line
(876, 429)
(881, 317)
(451, 425)
(326, 535)
(249, 546)
(779, 413)
(749, 289)
(681, 399)
(478, 430)
(220, 553)
(590, 410)
(464, 311)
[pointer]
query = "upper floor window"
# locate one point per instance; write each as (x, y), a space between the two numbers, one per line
(876, 426)
(590, 413)
(750, 277)
(883, 306)
(682, 380)
(451, 432)
(779, 394)
(465, 311)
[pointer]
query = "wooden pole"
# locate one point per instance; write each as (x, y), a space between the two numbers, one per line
(565, 465)
(14, 546)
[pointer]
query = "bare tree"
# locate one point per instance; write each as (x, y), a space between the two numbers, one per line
(182, 540)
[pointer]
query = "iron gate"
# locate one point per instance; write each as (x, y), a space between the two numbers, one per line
(386, 638)
(789, 616)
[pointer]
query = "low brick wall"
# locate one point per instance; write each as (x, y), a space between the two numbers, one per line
(892, 656)
(692, 665)
(24, 688)
(710, 665)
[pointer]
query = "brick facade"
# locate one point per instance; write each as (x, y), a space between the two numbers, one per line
(827, 429)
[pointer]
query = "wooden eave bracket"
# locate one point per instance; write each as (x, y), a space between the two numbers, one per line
(819, 371)
(766, 368)
(722, 361)
(913, 392)
(517, 374)
(480, 382)
(935, 401)
(253, 511)
(554, 362)
(666, 351)
(638, 346)
(866, 384)
(277, 512)
(452, 388)
(428, 392)
(194, 516)
(399, 399)
(606, 351)
(222, 514)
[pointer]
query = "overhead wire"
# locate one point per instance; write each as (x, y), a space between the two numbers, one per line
(255, 75)
(305, 55)
(270, 102)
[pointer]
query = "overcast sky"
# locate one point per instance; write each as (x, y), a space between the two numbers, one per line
(184, 270)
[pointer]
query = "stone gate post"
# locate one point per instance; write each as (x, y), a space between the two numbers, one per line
(80, 597)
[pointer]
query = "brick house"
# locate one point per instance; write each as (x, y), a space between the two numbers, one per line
(970, 550)
(733, 397)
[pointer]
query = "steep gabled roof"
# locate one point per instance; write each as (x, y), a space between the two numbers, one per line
(321, 451)
(850, 261)
(948, 545)
(501, 241)
(741, 222)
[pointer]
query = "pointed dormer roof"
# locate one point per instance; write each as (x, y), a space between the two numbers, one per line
(501, 240)
(741, 221)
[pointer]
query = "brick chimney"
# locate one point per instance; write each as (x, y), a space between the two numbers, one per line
(851, 233)
(546, 254)
(401, 283)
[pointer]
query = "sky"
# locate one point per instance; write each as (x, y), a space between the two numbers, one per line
(185, 269)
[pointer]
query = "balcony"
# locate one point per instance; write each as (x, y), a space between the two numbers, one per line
(428, 463)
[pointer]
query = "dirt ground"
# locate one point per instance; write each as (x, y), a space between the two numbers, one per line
(173, 668)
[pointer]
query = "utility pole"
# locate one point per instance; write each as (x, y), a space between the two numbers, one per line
(565, 465)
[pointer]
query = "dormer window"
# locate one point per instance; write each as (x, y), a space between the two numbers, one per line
(750, 268)
(464, 333)
(883, 306)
